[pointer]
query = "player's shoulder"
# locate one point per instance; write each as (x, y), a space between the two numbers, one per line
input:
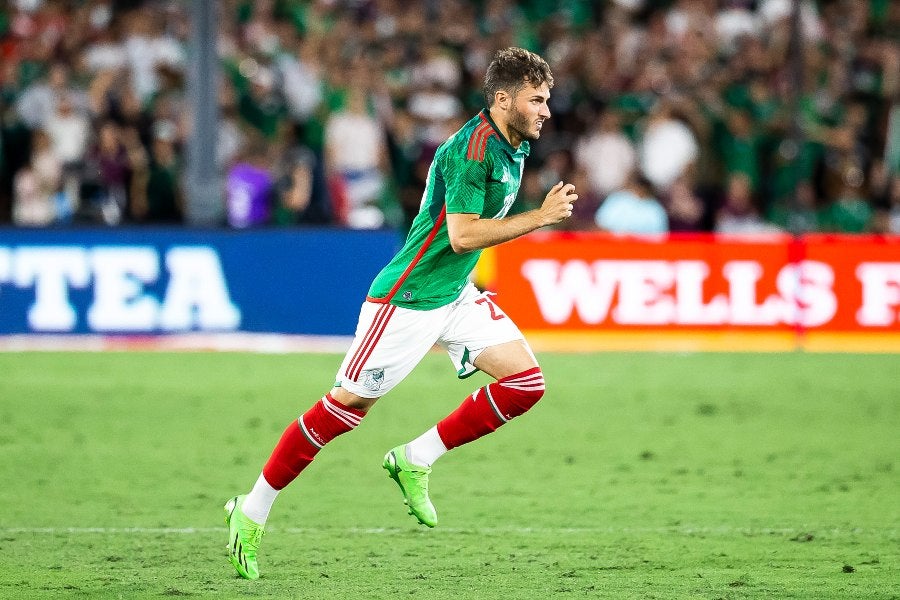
(472, 142)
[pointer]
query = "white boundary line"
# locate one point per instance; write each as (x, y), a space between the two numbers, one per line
(266, 343)
(679, 530)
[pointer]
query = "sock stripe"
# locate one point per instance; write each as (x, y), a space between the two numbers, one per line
(526, 388)
(494, 407)
(346, 417)
(308, 435)
(532, 377)
(533, 382)
(533, 371)
(523, 379)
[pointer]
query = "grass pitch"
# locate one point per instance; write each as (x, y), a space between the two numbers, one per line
(713, 476)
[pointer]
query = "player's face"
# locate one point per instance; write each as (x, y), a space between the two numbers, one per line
(529, 111)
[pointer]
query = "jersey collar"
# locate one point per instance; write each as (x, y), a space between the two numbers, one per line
(524, 147)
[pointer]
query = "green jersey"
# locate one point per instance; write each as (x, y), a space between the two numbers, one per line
(475, 171)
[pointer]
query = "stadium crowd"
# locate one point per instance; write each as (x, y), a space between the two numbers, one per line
(679, 115)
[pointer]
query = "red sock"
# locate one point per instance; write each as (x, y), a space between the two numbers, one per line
(491, 406)
(303, 438)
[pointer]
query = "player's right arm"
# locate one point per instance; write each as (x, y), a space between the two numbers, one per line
(468, 231)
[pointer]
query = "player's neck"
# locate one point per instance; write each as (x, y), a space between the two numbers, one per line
(498, 116)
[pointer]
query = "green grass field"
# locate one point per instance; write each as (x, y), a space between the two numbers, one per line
(638, 476)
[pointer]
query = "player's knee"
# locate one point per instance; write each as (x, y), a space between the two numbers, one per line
(352, 400)
(524, 400)
(522, 390)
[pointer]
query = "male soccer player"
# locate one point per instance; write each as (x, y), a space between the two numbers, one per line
(423, 297)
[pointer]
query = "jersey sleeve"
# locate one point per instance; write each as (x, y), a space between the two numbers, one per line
(466, 180)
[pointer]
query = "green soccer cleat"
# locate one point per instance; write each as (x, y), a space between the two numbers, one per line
(244, 537)
(413, 482)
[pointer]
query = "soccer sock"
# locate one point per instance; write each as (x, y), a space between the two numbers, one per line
(259, 501)
(426, 448)
(303, 438)
(491, 406)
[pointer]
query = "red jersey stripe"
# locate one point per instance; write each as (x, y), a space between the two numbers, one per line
(480, 154)
(481, 142)
(473, 139)
(412, 264)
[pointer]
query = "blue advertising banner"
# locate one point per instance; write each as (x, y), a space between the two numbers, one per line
(150, 281)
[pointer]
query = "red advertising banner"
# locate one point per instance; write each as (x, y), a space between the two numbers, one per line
(592, 282)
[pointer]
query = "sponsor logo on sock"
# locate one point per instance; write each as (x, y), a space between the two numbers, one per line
(316, 435)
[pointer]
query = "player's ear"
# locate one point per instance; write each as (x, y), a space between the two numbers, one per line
(502, 99)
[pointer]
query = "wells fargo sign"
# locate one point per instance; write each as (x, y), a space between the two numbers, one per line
(596, 282)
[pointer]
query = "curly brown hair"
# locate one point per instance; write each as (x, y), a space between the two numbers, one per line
(511, 69)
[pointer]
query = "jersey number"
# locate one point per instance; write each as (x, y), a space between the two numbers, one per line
(496, 313)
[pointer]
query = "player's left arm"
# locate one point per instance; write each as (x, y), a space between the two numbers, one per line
(468, 231)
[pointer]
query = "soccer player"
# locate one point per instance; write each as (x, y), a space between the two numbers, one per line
(424, 297)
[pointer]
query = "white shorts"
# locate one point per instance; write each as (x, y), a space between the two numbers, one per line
(391, 340)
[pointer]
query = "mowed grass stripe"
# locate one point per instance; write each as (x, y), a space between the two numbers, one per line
(638, 476)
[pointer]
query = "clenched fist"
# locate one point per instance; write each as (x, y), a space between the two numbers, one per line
(557, 205)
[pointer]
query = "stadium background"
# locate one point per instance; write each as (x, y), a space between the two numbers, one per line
(766, 131)
(765, 118)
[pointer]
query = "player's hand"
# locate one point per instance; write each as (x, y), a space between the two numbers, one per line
(557, 204)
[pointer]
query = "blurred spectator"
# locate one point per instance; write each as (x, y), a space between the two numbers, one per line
(157, 187)
(848, 213)
(300, 72)
(739, 212)
(148, 47)
(39, 100)
(739, 147)
(108, 174)
(690, 91)
(69, 131)
(686, 210)
(886, 189)
(668, 147)
(36, 186)
(797, 213)
(585, 209)
(250, 189)
(299, 188)
(893, 211)
(356, 156)
(633, 210)
(605, 154)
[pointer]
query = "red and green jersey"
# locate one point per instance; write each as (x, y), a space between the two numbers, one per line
(475, 171)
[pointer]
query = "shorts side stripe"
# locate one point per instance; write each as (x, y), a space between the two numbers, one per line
(357, 356)
(354, 376)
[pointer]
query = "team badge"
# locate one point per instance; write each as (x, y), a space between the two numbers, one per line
(373, 379)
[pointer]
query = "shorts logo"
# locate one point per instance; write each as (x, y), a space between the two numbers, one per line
(407, 295)
(373, 379)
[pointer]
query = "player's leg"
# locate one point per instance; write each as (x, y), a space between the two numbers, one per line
(479, 336)
(388, 344)
(334, 414)
(519, 385)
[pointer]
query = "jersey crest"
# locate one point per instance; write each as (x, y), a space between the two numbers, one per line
(373, 379)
